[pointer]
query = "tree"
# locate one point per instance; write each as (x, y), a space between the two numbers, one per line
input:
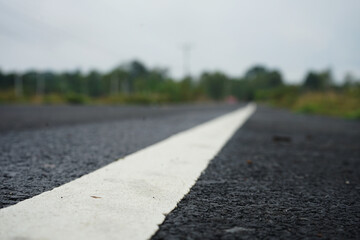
(137, 69)
(94, 84)
(274, 79)
(255, 72)
(259, 77)
(318, 81)
(214, 84)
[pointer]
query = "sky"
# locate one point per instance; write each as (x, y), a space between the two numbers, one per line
(222, 35)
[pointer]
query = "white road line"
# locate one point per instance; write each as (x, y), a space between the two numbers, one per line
(126, 199)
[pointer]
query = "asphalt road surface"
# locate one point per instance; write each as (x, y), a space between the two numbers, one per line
(43, 147)
(281, 176)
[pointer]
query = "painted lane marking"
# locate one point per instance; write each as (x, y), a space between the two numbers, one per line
(126, 199)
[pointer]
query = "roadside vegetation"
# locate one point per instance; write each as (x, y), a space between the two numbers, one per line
(134, 83)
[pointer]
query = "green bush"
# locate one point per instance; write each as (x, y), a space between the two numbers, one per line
(74, 98)
(309, 108)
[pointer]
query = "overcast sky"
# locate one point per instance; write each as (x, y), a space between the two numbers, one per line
(226, 35)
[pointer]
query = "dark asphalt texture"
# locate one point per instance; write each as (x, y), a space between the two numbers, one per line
(18, 117)
(282, 176)
(43, 147)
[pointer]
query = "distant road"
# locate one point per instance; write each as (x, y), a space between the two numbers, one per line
(33, 117)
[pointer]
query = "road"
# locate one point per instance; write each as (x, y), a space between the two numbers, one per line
(281, 175)
(43, 147)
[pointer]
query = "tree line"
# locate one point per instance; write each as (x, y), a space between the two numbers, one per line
(134, 82)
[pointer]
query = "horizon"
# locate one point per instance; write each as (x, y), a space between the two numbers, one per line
(198, 77)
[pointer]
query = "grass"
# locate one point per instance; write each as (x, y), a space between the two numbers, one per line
(345, 104)
(329, 103)
(146, 98)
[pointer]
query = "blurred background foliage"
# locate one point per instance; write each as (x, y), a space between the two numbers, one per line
(134, 83)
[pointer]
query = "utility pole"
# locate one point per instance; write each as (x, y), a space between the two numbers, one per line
(18, 86)
(186, 48)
